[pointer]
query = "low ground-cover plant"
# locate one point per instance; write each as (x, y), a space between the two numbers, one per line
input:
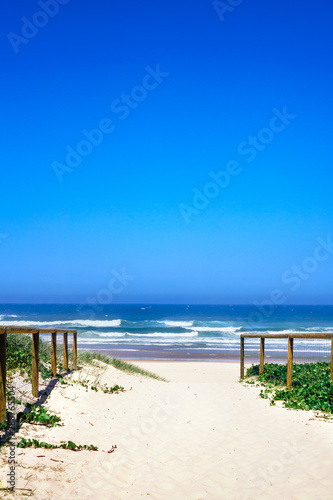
(107, 390)
(39, 416)
(113, 390)
(45, 371)
(34, 443)
(311, 389)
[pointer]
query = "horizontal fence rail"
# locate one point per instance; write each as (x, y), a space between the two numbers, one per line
(290, 360)
(34, 332)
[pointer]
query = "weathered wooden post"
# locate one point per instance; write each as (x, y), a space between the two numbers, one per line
(35, 363)
(262, 355)
(332, 358)
(242, 356)
(2, 374)
(290, 361)
(54, 353)
(75, 349)
(65, 334)
(65, 346)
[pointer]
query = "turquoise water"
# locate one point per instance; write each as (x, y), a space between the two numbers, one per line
(168, 331)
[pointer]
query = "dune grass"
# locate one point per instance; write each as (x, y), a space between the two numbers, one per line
(19, 356)
(89, 357)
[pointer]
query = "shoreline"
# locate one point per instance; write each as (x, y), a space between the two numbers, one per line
(163, 355)
(152, 355)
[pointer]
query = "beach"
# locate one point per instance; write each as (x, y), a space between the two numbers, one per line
(166, 251)
(199, 435)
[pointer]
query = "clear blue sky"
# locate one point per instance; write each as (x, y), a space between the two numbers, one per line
(179, 93)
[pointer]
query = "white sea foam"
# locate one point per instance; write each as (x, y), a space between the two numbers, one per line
(138, 336)
(164, 335)
(203, 326)
(272, 332)
(222, 329)
(320, 329)
(160, 339)
(110, 334)
(181, 324)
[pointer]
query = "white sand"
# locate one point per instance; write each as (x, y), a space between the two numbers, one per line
(203, 435)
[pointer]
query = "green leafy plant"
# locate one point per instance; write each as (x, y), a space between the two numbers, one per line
(312, 388)
(45, 371)
(115, 389)
(39, 416)
(34, 443)
(18, 353)
(4, 424)
(74, 447)
(107, 390)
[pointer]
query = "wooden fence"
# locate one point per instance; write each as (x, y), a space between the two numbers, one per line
(290, 337)
(34, 332)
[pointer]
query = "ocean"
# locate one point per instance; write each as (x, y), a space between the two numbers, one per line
(184, 332)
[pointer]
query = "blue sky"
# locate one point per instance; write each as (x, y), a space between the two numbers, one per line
(177, 90)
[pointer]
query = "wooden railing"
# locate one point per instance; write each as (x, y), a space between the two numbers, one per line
(34, 332)
(290, 337)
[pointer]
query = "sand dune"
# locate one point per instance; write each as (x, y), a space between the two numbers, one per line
(202, 435)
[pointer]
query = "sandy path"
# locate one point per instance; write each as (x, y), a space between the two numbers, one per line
(203, 435)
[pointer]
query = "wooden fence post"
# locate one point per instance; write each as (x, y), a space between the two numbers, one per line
(75, 349)
(290, 361)
(66, 351)
(262, 355)
(35, 363)
(54, 353)
(2, 375)
(242, 357)
(332, 359)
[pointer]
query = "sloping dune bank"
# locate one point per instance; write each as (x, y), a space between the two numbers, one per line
(201, 435)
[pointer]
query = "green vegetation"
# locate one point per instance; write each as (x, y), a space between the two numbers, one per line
(107, 390)
(19, 358)
(115, 389)
(34, 443)
(90, 357)
(19, 355)
(39, 416)
(311, 389)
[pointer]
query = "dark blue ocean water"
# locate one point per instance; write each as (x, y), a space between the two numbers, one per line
(168, 331)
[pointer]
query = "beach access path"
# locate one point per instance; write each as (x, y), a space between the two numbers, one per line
(202, 435)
